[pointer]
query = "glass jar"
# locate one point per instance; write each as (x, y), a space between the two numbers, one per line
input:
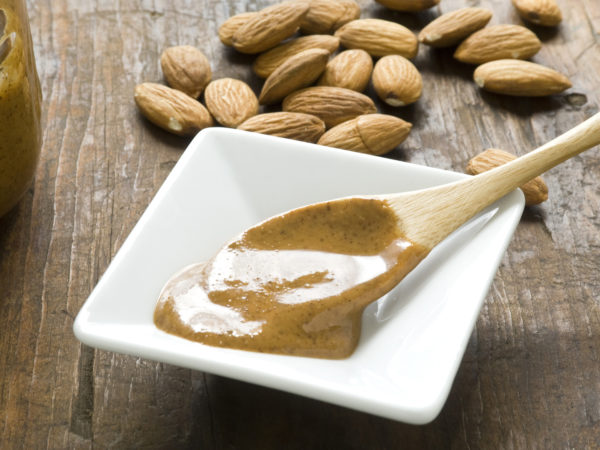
(20, 104)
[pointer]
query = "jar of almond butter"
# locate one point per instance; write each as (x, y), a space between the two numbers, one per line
(20, 104)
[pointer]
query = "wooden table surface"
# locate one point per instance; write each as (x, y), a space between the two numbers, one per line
(530, 377)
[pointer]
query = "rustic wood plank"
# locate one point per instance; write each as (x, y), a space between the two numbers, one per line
(530, 377)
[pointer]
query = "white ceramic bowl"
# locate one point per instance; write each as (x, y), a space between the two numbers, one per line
(227, 180)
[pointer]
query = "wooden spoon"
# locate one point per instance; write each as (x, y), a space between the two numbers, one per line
(428, 216)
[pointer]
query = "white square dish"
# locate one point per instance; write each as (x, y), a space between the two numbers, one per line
(227, 180)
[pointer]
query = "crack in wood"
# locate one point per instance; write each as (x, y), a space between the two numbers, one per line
(83, 401)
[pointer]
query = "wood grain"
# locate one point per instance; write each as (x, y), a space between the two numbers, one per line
(530, 377)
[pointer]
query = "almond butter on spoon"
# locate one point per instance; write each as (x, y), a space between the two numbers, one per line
(298, 283)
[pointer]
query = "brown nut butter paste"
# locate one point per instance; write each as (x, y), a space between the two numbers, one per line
(20, 104)
(295, 284)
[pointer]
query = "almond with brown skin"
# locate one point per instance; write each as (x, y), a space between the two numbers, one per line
(408, 5)
(291, 125)
(371, 133)
(230, 101)
(326, 16)
(535, 190)
(520, 78)
(540, 12)
(351, 69)
(451, 28)
(267, 62)
(295, 73)
(186, 68)
(498, 42)
(170, 109)
(333, 105)
(231, 25)
(378, 37)
(397, 81)
(269, 27)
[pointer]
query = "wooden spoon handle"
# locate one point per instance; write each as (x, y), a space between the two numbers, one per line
(500, 181)
(428, 216)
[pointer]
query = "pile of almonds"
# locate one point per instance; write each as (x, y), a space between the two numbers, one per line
(321, 97)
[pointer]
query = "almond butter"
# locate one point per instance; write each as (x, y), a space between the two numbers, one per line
(520, 78)
(378, 37)
(295, 73)
(186, 68)
(540, 12)
(371, 133)
(269, 27)
(291, 125)
(408, 5)
(231, 25)
(351, 69)
(397, 81)
(535, 190)
(451, 28)
(267, 62)
(498, 42)
(230, 101)
(170, 109)
(333, 105)
(326, 16)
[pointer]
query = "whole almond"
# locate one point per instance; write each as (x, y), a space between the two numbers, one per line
(231, 25)
(326, 16)
(267, 62)
(295, 73)
(520, 78)
(540, 12)
(186, 68)
(451, 28)
(378, 37)
(269, 27)
(351, 69)
(397, 81)
(408, 5)
(291, 125)
(170, 109)
(535, 190)
(498, 42)
(333, 105)
(230, 101)
(371, 133)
